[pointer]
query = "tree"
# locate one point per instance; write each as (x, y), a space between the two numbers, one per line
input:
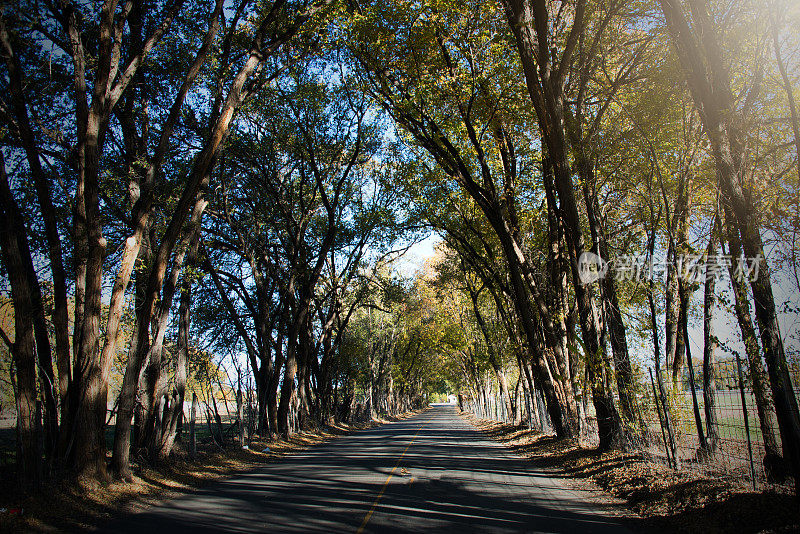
(544, 75)
(699, 48)
(450, 119)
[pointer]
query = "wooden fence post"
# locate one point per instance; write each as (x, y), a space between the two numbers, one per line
(746, 422)
(668, 421)
(240, 415)
(192, 436)
(660, 419)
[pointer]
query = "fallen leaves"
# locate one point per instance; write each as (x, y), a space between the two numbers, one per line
(661, 498)
(61, 506)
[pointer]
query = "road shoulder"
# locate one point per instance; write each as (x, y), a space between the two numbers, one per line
(650, 497)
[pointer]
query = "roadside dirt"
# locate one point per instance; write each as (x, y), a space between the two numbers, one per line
(67, 506)
(661, 499)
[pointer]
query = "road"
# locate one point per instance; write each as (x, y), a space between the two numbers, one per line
(430, 473)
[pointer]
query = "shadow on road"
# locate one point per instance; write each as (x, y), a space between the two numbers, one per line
(450, 479)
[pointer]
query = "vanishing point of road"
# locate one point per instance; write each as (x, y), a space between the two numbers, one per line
(430, 473)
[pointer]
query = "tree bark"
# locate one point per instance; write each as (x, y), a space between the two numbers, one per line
(44, 195)
(197, 181)
(494, 360)
(774, 464)
(16, 258)
(710, 342)
(89, 401)
(610, 310)
(679, 290)
(141, 214)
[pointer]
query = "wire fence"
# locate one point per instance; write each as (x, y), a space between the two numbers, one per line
(727, 429)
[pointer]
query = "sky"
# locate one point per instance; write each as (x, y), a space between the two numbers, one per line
(417, 255)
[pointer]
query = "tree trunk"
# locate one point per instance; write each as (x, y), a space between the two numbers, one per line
(558, 273)
(15, 257)
(192, 422)
(529, 24)
(610, 310)
(794, 114)
(672, 307)
(774, 464)
(197, 181)
(181, 363)
(88, 452)
(494, 359)
(141, 348)
(156, 380)
(680, 248)
(44, 195)
(557, 405)
(710, 342)
(240, 413)
(288, 386)
(89, 401)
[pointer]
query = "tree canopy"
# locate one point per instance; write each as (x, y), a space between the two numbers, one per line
(192, 187)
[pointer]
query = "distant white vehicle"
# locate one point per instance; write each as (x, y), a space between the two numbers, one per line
(451, 399)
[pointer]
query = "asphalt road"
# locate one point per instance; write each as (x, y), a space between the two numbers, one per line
(429, 473)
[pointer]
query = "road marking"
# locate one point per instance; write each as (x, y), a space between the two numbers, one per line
(385, 484)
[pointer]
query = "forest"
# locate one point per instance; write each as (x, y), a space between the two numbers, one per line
(210, 199)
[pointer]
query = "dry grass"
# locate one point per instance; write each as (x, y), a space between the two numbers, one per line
(69, 506)
(662, 500)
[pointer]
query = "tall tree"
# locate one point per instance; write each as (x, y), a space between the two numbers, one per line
(699, 47)
(545, 67)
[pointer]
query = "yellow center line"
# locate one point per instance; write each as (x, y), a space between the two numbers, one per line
(385, 484)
